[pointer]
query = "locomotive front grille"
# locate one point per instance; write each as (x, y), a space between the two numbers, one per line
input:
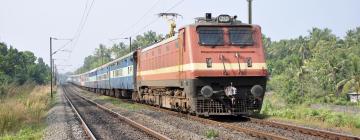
(209, 106)
(214, 107)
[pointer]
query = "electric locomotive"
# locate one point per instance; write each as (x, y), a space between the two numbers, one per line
(215, 66)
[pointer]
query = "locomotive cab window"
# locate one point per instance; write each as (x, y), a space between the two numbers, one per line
(210, 36)
(241, 36)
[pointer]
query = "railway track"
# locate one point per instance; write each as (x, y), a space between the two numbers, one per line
(320, 134)
(100, 122)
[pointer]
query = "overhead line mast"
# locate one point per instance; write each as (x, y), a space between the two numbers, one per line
(250, 11)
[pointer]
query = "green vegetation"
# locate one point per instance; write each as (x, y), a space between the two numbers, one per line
(23, 104)
(318, 68)
(211, 134)
(119, 103)
(102, 55)
(307, 115)
(20, 66)
(315, 67)
(23, 109)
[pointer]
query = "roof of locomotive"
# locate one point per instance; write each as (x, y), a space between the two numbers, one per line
(167, 40)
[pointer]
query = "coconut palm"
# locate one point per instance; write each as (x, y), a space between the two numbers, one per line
(352, 83)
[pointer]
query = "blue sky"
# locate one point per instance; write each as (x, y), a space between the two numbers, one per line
(27, 25)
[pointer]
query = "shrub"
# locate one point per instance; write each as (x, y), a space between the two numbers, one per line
(211, 134)
(22, 112)
(357, 123)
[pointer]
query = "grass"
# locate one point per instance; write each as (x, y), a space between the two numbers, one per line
(303, 114)
(211, 134)
(23, 109)
(119, 103)
(28, 133)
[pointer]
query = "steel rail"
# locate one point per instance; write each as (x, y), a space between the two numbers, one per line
(129, 121)
(83, 124)
(306, 130)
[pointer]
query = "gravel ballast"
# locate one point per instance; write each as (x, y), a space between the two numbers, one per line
(103, 124)
(62, 122)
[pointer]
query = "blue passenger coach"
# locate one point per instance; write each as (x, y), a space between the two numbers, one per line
(115, 78)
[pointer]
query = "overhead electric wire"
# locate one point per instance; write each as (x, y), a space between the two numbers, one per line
(140, 19)
(63, 46)
(78, 28)
(81, 25)
(77, 36)
(153, 21)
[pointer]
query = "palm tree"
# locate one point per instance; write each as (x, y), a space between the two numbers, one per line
(352, 83)
(333, 69)
(301, 75)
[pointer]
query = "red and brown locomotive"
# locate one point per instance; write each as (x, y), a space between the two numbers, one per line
(215, 66)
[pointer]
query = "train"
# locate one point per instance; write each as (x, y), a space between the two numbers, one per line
(213, 67)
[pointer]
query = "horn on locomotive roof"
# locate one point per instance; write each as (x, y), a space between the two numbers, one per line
(170, 17)
(208, 17)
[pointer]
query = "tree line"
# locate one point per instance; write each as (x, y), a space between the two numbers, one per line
(21, 66)
(319, 66)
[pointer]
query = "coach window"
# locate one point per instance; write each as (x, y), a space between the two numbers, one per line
(241, 36)
(210, 36)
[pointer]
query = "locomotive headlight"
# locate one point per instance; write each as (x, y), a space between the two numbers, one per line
(224, 18)
(257, 91)
(230, 91)
(207, 91)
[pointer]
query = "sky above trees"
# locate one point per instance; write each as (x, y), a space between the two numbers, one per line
(29, 24)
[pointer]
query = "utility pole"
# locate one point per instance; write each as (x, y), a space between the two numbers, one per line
(130, 43)
(130, 47)
(55, 76)
(51, 60)
(102, 57)
(250, 11)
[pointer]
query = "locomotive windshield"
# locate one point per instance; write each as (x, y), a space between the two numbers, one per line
(211, 36)
(240, 36)
(214, 36)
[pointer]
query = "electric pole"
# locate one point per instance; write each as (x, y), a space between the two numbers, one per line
(51, 73)
(250, 11)
(130, 43)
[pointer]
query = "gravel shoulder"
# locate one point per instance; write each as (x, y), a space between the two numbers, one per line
(62, 122)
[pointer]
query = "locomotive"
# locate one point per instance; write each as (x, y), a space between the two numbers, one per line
(215, 66)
